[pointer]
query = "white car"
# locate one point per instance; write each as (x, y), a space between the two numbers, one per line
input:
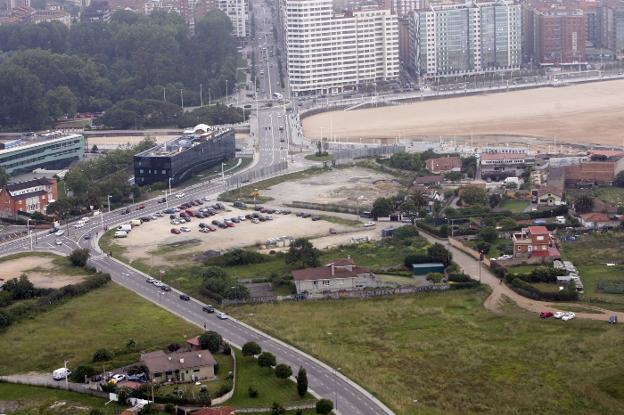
(559, 314)
(58, 242)
(185, 229)
(115, 379)
(180, 195)
(222, 316)
(60, 232)
(157, 283)
(568, 316)
(369, 224)
(79, 225)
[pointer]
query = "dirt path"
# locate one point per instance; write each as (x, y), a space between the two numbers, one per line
(500, 291)
(41, 271)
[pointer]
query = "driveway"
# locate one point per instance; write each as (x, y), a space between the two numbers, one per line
(500, 290)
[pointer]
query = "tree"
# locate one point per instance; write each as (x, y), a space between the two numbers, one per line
(81, 373)
(277, 409)
(473, 195)
(494, 200)
(469, 166)
(488, 234)
(4, 177)
(94, 148)
(619, 179)
(302, 382)
(102, 355)
(382, 207)
(584, 204)
(324, 406)
(20, 288)
(439, 253)
(251, 349)
(60, 101)
(302, 254)
(79, 257)
(266, 359)
(210, 340)
(283, 371)
(419, 198)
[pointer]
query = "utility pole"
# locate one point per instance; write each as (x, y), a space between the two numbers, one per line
(66, 377)
(164, 94)
(209, 97)
(226, 91)
(201, 95)
(182, 96)
(108, 197)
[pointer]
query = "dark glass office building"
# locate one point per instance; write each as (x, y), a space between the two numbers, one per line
(184, 156)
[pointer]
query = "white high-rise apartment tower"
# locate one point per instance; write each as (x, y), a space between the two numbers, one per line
(238, 12)
(466, 38)
(330, 53)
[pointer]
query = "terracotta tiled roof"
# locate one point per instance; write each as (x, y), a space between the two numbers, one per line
(159, 361)
(340, 270)
(538, 230)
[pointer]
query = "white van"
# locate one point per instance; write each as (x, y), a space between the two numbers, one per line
(60, 374)
(125, 227)
(121, 234)
(135, 222)
(561, 220)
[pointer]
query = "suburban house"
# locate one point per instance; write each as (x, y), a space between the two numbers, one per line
(340, 275)
(433, 180)
(534, 241)
(30, 196)
(547, 196)
(179, 367)
(443, 164)
(595, 220)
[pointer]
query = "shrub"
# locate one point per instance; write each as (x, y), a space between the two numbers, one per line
(172, 347)
(251, 349)
(224, 389)
(211, 340)
(5, 320)
(404, 232)
(416, 259)
(170, 408)
(277, 409)
(324, 406)
(227, 349)
(439, 253)
(252, 392)
(81, 373)
(283, 371)
(459, 277)
(266, 359)
(242, 257)
(435, 277)
(102, 355)
(79, 257)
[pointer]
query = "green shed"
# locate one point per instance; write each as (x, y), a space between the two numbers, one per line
(427, 268)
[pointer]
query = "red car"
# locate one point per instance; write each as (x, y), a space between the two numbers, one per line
(546, 314)
(175, 231)
(140, 207)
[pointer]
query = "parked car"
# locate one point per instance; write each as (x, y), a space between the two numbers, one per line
(568, 316)
(165, 287)
(60, 232)
(149, 280)
(175, 231)
(179, 195)
(211, 228)
(185, 229)
(115, 379)
(204, 230)
(546, 314)
(162, 200)
(612, 319)
(315, 218)
(558, 314)
(208, 309)
(185, 297)
(222, 316)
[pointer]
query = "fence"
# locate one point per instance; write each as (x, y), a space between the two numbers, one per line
(353, 153)
(254, 175)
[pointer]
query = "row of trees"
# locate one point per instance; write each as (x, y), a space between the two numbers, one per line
(92, 66)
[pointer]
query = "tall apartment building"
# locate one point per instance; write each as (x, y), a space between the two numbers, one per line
(466, 38)
(559, 37)
(238, 12)
(404, 7)
(330, 53)
(618, 21)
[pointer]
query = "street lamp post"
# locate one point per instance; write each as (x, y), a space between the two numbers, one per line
(29, 233)
(108, 197)
(336, 370)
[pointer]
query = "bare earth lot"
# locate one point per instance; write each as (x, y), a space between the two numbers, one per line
(41, 271)
(146, 239)
(340, 186)
(586, 113)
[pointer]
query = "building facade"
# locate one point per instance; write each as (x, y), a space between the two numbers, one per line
(27, 197)
(179, 367)
(534, 241)
(330, 53)
(179, 159)
(340, 275)
(56, 151)
(238, 12)
(466, 38)
(560, 37)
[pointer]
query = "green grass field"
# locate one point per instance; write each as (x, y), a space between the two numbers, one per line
(104, 318)
(31, 398)
(455, 357)
(514, 205)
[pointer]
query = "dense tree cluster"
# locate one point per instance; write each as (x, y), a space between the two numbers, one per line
(134, 60)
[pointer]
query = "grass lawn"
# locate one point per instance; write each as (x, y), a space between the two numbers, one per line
(270, 388)
(104, 318)
(33, 396)
(455, 357)
(611, 194)
(522, 269)
(514, 205)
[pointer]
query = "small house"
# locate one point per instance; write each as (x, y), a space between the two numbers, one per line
(340, 275)
(179, 367)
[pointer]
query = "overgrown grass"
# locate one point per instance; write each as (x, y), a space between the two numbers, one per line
(514, 205)
(340, 221)
(104, 318)
(455, 357)
(270, 388)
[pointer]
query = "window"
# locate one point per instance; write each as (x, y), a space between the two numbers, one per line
(325, 282)
(540, 238)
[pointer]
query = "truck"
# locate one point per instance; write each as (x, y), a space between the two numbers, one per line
(60, 374)
(121, 234)
(126, 227)
(135, 222)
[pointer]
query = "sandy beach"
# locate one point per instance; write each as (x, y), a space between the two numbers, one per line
(585, 113)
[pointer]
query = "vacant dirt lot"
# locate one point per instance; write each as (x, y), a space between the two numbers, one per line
(587, 113)
(339, 186)
(150, 240)
(41, 271)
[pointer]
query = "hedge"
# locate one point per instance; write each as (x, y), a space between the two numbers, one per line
(528, 290)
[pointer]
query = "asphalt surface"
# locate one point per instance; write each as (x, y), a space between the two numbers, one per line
(271, 144)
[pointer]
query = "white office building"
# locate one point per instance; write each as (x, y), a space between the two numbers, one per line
(329, 53)
(475, 37)
(238, 12)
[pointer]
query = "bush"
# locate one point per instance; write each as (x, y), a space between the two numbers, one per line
(210, 340)
(277, 409)
(266, 359)
(405, 232)
(252, 392)
(528, 290)
(102, 355)
(251, 349)
(435, 277)
(79, 257)
(459, 277)
(439, 253)
(324, 406)
(5, 320)
(81, 373)
(242, 257)
(302, 382)
(283, 371)
(416, 259)
(172, 347)
(227, 349)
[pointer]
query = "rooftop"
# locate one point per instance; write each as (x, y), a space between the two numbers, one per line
(159, 361)
(189, 139)
(339, 269)
(33, 142)
(503, 156)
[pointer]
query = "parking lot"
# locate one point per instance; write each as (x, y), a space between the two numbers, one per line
(154, 240)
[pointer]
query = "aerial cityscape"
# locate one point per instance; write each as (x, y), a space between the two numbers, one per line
(298, 207)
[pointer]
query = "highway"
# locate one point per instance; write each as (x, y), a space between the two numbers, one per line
(270, 129)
